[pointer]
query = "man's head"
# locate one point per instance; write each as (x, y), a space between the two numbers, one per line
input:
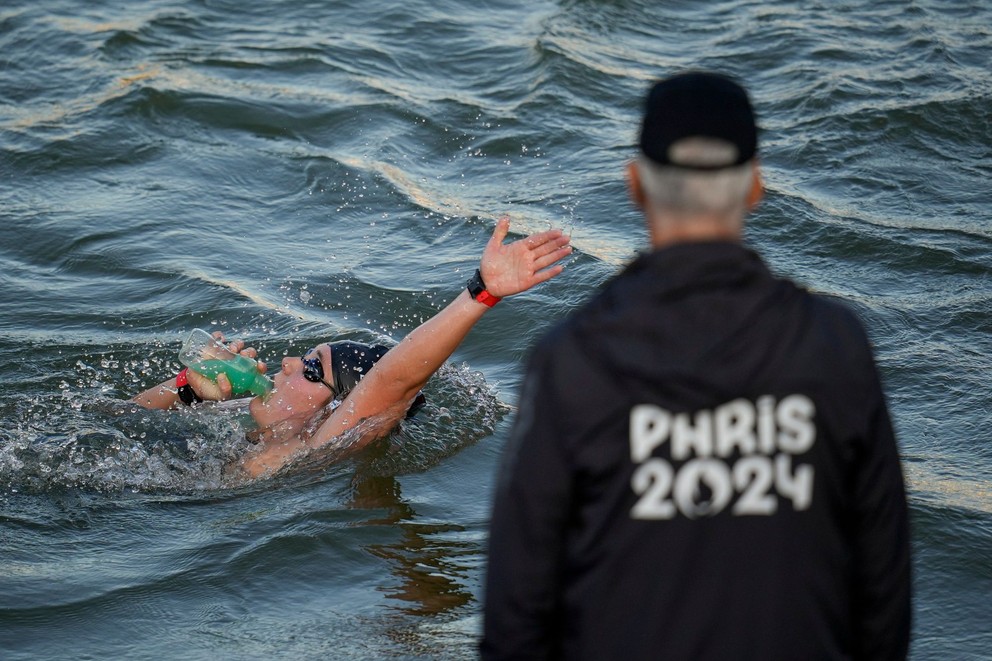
(698, 145)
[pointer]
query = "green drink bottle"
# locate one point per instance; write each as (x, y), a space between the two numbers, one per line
(206, 355)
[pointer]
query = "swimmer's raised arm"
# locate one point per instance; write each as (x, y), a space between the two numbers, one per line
(385, 394)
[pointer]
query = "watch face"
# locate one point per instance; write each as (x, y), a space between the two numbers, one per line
(475, 286)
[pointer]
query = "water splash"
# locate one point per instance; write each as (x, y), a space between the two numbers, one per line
(71, 440)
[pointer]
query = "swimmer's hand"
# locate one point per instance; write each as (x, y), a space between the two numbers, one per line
(510, 268)
(221, 389)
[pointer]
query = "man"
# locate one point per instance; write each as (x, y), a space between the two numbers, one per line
(703, 464)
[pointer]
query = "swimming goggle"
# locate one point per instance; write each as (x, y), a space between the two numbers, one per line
(313, 371)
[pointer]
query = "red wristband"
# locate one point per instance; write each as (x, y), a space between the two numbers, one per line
(486, 298)
(185, 391)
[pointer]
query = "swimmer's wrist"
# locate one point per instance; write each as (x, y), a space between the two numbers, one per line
(184, 390)
(477, 290)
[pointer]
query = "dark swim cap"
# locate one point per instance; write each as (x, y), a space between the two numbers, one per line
(351, 361)
(698, 104)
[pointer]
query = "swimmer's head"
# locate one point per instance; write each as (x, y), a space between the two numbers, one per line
(300, 389)
(307, 384)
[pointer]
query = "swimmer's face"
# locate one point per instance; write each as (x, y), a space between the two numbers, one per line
(295, 392)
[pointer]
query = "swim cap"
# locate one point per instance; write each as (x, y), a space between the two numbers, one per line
(698, 104)
(351, 361)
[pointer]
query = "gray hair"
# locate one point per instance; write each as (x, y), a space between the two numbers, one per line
(684, 190)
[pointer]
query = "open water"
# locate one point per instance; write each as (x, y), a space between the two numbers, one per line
(293, 172)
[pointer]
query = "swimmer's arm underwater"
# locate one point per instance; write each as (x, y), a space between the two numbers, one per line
(165, 395)
(381, 399)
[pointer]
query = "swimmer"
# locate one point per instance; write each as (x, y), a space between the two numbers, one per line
(389, 390)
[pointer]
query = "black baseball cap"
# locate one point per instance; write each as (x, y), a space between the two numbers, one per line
(698, 104)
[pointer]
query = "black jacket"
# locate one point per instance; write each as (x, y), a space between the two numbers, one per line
(702, 467)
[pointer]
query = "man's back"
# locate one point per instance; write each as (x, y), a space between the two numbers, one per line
(702, 467)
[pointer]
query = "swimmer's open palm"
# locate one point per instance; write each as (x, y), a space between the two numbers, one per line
(510, 268)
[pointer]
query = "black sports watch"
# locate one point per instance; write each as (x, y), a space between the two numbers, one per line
(477, 289)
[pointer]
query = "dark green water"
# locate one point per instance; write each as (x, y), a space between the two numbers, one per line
(294, 172)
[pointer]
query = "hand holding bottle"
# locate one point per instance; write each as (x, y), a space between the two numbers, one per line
(230, 368)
